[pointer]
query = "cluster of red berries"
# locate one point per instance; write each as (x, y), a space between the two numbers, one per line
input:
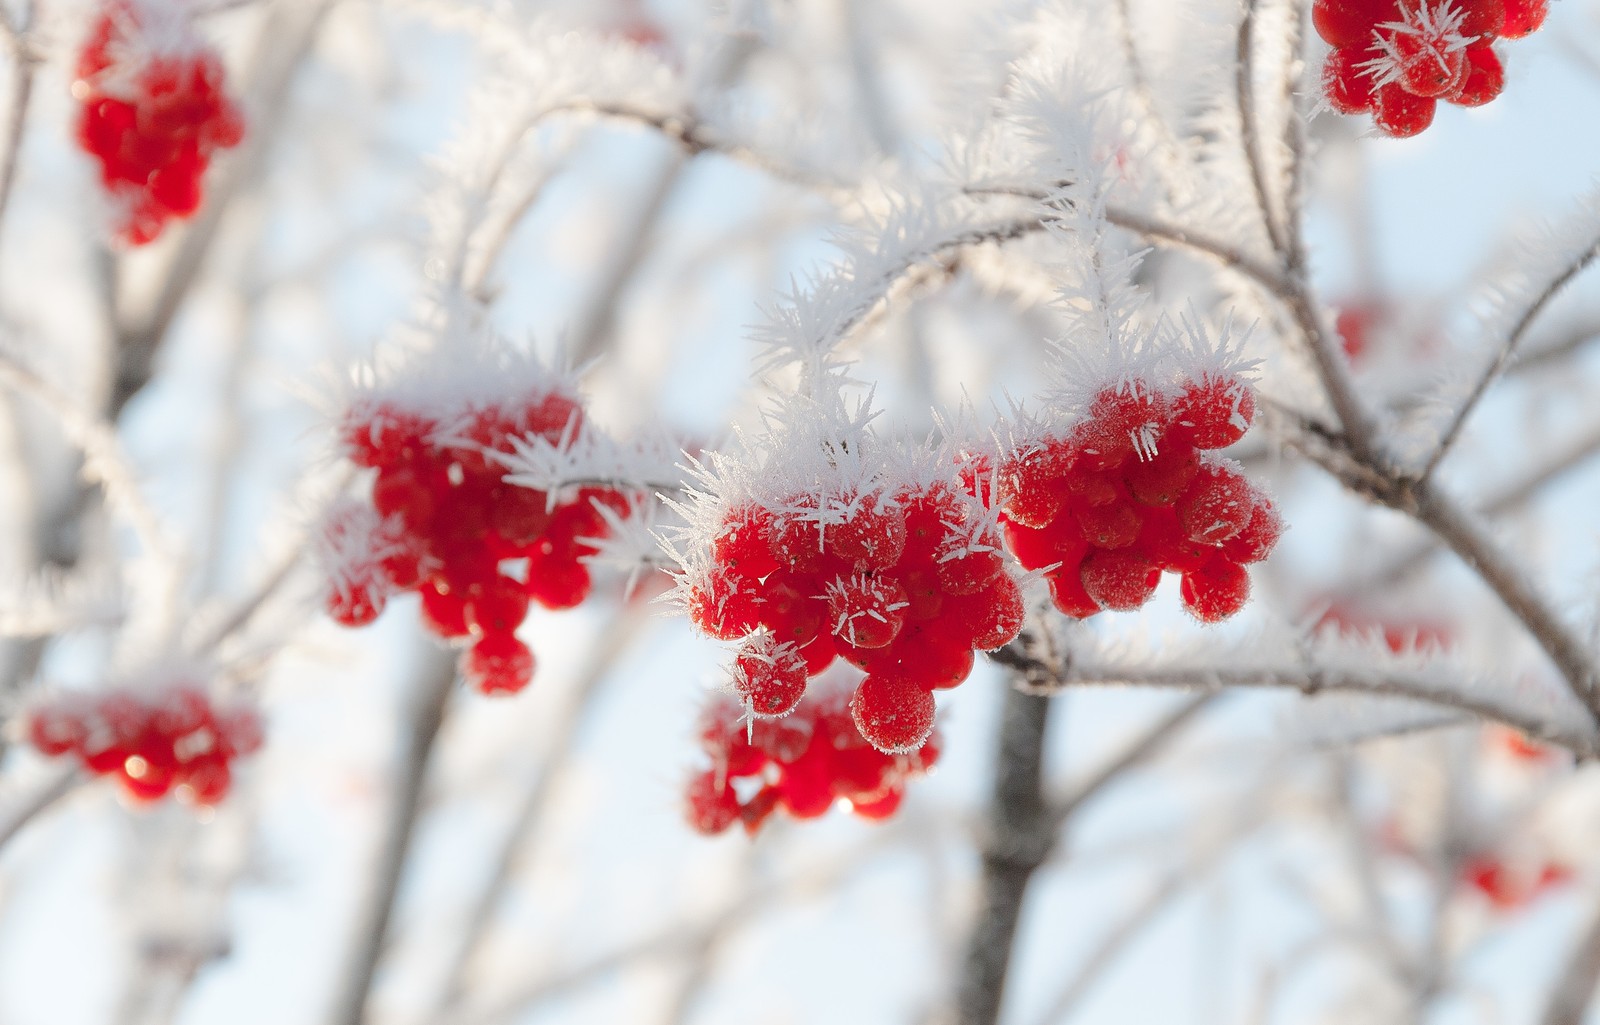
(443, 522)
(1509, 887)
(902, 583)
(1398, 58)
(154, 111)
(804, 763)
(171, 741)
(1132, 490)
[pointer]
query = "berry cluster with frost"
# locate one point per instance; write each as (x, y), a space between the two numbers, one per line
(838, 548)
(174, 740)
(154, 110)
(804, 763)
(441, 520)
(1132, 486)
(1398, 58)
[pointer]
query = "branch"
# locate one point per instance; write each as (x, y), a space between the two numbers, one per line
(26, 62)
(434, 686)
(30, 807)
(1141, 749)
(1244, 89)
(1018, 840)
(1519, 331)
(1574, 987)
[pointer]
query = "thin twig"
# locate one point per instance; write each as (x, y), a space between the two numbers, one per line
(564, 735)
(1513, 340)
(1017, 842)
(30, 807)
(1137, 751)
(1244, 87)
(434, 685)
(25, 62)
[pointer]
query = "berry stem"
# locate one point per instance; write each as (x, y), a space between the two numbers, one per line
(1018, 839)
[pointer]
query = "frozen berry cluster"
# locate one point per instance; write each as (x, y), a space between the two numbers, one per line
(154, 110)
(1134, 488)
(1398, 58)
(169, 741)
(441, 520)
(904, 583)
(804, 763)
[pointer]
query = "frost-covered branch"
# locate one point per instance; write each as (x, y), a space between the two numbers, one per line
(1508, 350)
(1250, 129)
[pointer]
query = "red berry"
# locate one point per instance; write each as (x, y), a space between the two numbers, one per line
(1427, 64)
(770, 677)
(1161, 480)
(1350, 22)
(356, 604)
(1524, 17)
(1119, 580)
(1109, 526)
(557, 581)
(55, 729)
(795, 537)
(1216, 590)
(990, 619)
(1346, 83)
(710, 805)
(966, 564)
(1485, 79)
(1214, 411)
(498, 663)
(1217, 506)
(1032, 485)
(725, 605)
(742, 543)
(444, 612)
(893, 712)
(1260, 534)
(873, 535)
(1068, 593)
(866, 611)
(1400, 113)
(497, 606)
(1482, 19)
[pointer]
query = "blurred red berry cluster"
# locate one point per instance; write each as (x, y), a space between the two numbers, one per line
(803, 763)
(902, 583)
(1398, 58)
(154, 110)
(172, 740)
(1131, 490)
(442, 521)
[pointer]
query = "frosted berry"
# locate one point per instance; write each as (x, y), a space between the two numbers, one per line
(892, 712)
(1349, 22)
(1215, 411)
(1215, 590)
(1217, 506)
(1485, 78)
(1118, 580)
(867, 612)
(1523, 17)
(769, 676)
(498, 663)
(1400, 113)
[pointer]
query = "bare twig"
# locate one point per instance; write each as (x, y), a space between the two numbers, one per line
(1513, 340)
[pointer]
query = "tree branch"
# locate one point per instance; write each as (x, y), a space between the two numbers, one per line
(1018, 840)
(435, 683)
